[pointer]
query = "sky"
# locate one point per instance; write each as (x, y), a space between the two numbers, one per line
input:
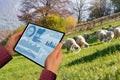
(8, 14)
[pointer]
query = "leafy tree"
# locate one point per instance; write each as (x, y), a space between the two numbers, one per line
(71, 22)
(55, 22)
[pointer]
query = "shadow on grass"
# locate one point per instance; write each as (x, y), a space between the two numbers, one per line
(89, 58)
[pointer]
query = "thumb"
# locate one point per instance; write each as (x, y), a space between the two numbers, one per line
(17, 35)
(57, 49)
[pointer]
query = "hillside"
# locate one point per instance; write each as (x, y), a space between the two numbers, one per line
(101, 61)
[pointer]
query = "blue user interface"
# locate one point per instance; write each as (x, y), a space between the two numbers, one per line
(37, 43)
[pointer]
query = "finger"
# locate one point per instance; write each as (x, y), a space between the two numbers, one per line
(60, 56)
(59, 45)
(18, 34)
(59, 53)
(58, 48)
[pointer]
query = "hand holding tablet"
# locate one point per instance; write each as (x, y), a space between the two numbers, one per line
(53, 60)
(38, 42)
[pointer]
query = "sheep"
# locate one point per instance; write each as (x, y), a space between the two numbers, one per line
(110, 35)
(117, 32)
(75, 38)
(80, 40)
(101, 35)
(111, 29)
(104, 35)
(86, 36)
(71, 45)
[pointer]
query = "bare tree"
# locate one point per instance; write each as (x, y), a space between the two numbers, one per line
(100, 8)
(116, 4)
(55, 6)
(27, 6)
(78, 7)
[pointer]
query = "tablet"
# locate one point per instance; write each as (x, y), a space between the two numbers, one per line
(37, 42)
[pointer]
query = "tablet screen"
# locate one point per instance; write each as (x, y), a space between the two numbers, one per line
(38, 42)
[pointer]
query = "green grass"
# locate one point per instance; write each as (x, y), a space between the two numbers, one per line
(98, 62)
(101, 61)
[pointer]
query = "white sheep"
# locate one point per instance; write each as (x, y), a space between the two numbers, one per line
(101, 35)
(104, 35)
(117, 32)
(80, 40)
(71, 45)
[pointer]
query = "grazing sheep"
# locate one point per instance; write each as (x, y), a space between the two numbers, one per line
(71, 45)
(111, 29)
(104, 35)
(81, 41)
(86, 36)
(97, 32)
(75, 38)
(101, 35)
(117, 32)
(110, 35)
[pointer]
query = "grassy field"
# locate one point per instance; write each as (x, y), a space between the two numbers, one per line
(101, 61)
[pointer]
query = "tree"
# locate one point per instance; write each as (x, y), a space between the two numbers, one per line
(35, 10)
(28, 6)
(116, 4)
(79, 9)
(54, 6)
(70, 22)
(55, 22)
(100, 8)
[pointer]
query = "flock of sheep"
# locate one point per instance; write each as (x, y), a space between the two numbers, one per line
(77, 42)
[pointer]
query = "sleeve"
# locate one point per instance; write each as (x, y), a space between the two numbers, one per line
(47, 75)
(5, 57)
